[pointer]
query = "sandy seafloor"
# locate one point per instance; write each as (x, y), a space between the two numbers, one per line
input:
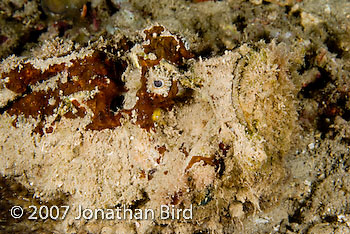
(255, 136)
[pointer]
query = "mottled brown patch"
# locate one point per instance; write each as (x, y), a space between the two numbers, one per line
(161, 149)
(166, 47)
(20, 78)
(217, 162)
(34, 104)
(150, 173)
(184, 151)
(175, 199)
(142, 174)
(207, 161)
(101, 72)
(89, 73)
(224, 148)
(49, 129)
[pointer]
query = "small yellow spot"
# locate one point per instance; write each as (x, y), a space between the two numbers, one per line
(156, 114)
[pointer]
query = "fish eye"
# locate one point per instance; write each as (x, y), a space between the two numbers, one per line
(158, 83)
